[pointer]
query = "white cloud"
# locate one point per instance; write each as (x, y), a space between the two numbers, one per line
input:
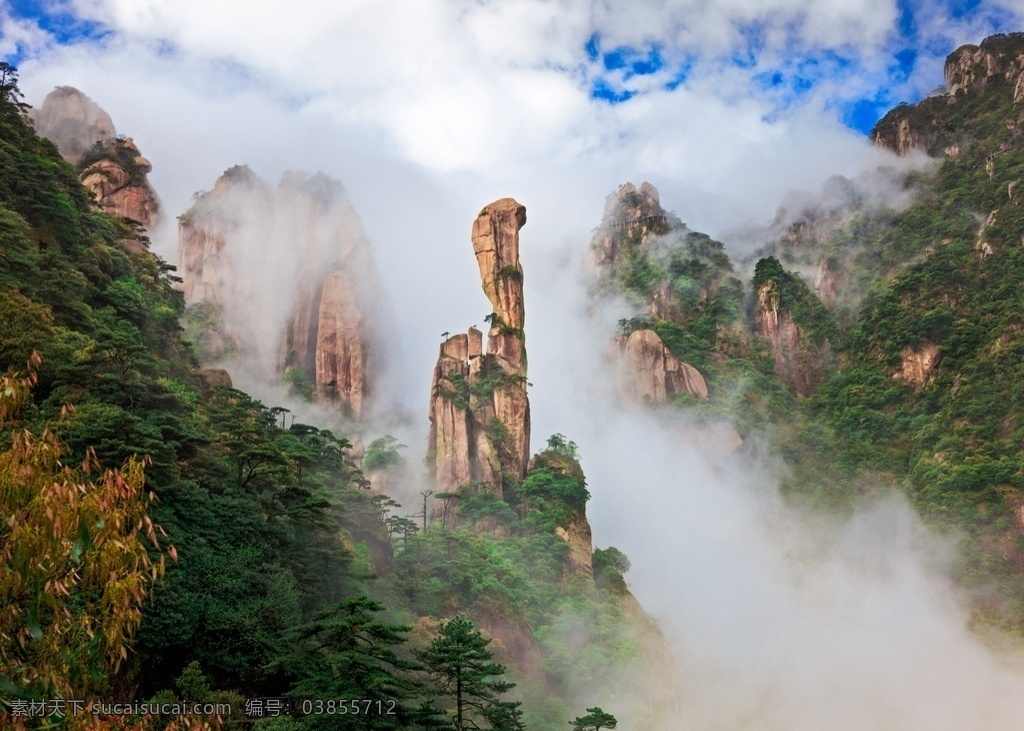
(18, 33)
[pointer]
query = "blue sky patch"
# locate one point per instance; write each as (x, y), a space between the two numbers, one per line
(632, 61)
(862, 115)
(603, 91)
(66, 29)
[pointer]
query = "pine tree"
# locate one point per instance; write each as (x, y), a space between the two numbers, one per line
(595, 720)
(461, 664)
(346, 652)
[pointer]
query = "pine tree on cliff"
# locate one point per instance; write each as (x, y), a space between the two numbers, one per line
(595, 720)
(461, 665)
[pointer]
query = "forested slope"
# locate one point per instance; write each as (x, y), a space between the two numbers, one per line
(256, 562)
(878, 346)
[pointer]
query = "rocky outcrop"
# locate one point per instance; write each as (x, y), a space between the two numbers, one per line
(577, 534)
(801, 350)
(650, 373)
(982, 244)
(73, 122)
(339, 356)
(917, 365)
(999, 57)
(119, 183)
(496, 246)
(628, 213)
(450, 444)
(210, 379)
(110, 166)
(288, 275)
(479, 409)
(998, 63)
(907, 128)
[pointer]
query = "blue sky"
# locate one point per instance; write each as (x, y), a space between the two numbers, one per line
(859, 83)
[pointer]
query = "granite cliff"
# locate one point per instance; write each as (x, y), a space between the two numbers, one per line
(995, 67)
(280, 281)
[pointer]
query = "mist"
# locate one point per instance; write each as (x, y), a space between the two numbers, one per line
(779, 619)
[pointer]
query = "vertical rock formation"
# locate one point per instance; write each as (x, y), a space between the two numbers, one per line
(795, 323)
(118, 179)
(628, 214)
(282, 281)
(479, 410)
(450, 444)
(635, 249)
(108, 165)
(339, 356)
(496, 245)
(580, 560)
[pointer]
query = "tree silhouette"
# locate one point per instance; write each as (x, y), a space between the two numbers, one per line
(595, 720)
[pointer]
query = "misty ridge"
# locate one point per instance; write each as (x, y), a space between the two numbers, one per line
(792, 429)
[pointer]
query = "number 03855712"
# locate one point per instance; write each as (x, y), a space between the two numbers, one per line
(333, 707)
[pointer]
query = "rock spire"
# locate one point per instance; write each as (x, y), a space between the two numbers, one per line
(479, 409)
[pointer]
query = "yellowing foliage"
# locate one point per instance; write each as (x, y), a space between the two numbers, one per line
(74, 567)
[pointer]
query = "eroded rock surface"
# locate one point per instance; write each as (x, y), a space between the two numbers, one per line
(650, 373)
(73, 122)
(797, 360)
(119, 183)
(917, 365)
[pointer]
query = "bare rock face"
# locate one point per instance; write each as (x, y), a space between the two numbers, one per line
(496, 245)
(479, 410)
(794, 361)
(513, 643)
(110, 166)
(73, 122)
(982, 245)
(829, 282)
(339, 343)
(904, 129)
(918, 364)
(119, 183)
(450, 420)
(580, 561)
(650, 373)
(975, 67)
(286, 279)
(213, 378)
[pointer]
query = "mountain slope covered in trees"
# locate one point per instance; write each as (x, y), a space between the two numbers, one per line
(877, 345)
(273, 571)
